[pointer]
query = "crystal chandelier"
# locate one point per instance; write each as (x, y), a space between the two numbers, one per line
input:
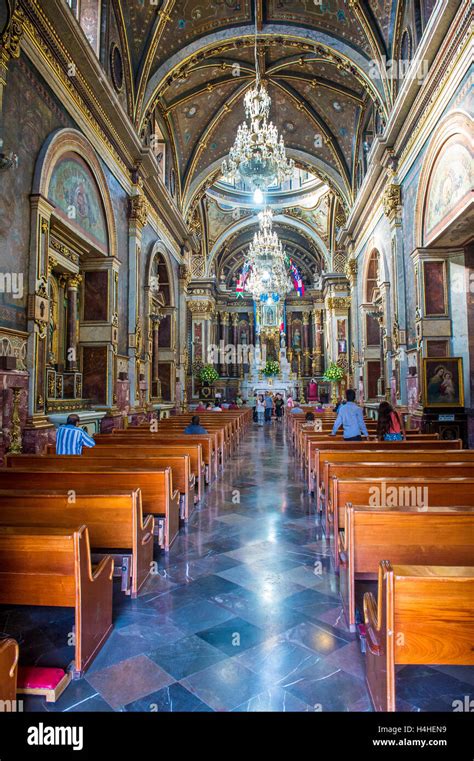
(266, 259)
(258, 156)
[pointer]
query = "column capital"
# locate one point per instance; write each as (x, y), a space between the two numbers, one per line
(73, 282)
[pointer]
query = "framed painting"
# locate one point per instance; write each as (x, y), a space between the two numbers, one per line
(443, 382)
(435, 290)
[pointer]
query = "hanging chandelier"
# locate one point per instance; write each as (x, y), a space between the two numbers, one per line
(266, 262)
(258, 156)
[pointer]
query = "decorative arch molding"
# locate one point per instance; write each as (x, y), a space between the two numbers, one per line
(60, 143)
(455, 129)
(375, 244)
(326, 173)
(159, 248)
(304, 35)
(243, 224)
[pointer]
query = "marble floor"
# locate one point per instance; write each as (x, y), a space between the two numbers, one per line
(242, 615)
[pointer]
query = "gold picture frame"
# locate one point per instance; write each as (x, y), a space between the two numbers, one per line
(443, 382)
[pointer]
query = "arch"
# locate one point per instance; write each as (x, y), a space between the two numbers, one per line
(252, 222)
(57, 146)
(160, 252)
(453, 133)
(305, 35)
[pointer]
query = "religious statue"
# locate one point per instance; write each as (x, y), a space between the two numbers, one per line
(297, 339)
(312, 390)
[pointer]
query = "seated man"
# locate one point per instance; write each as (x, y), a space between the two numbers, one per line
(70, 439)
(195, 426)
(201, 407)
(296, 408)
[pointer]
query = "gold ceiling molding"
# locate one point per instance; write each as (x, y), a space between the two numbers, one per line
(392, 199)
(164, 17)
(341, 61)
(10, 41)
(361, 16)
(34, 32)
(117, 6)
(439, 76)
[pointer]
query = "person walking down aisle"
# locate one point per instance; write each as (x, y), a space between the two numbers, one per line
(260, 410)
(390, 425)
(351, 418)
(268, 407)
(279, 407)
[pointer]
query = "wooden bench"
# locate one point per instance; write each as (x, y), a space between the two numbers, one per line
(440, 536)
(156, 486)
(387, 469)
(114, 520)
(423, 615)
(334, 445)
(404, 455)
(208, 443)
(52, 566)
(9, 651)
(183, 478)
(404, 492)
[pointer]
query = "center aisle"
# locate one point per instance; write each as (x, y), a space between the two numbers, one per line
(238, 617)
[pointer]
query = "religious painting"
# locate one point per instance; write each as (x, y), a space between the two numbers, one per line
(165, 332)
(412, 393)
(373, 331)
(159, 149)
(197, 342)
(95, 296)
(74, 192)
(95, 372)
(269, 316)
(443, 382)
(296, 336)
(450, 186)
(434, 284)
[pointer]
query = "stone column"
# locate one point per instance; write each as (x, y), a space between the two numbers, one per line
(224, 319)
(317, 342)
(72, 289)
(155, 357)
(235, 340)
(305, 346)
(138, 215)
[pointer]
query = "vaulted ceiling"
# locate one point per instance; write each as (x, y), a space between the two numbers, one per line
(191, 62)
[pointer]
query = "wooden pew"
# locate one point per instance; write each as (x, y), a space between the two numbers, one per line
(138, 451)
(405, 491)
(406, 454)
(52, 566)
(387, 469)
(208, 442)
(423, 615)
(183, 478)
(114, 520)
(334, 445)
(8, 674)
(440, 536)
(219, 431)
(156, 486)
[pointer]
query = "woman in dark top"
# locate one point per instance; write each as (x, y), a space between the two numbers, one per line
(279, 406)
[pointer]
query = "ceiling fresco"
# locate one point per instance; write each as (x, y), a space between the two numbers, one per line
(193, 61)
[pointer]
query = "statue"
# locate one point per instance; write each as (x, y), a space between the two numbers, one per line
(297, 339)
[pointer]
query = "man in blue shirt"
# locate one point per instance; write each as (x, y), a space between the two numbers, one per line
(351, 418)
(268, 407)
(70, 439)
(195, 426)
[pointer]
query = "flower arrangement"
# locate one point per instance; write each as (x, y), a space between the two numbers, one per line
(334, 373)
(271, 368)
(208, 374)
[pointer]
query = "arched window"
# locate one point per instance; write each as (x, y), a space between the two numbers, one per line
(406, 50)
(372, 278)
(418, 20)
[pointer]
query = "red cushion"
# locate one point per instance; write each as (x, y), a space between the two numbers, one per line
(38, 678)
